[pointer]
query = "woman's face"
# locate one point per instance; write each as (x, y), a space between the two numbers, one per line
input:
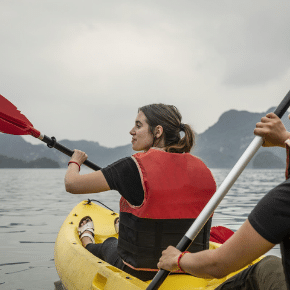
(142, 138)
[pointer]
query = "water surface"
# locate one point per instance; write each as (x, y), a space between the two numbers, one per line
(34, 204)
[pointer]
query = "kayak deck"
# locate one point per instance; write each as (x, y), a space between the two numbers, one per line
(79, 269)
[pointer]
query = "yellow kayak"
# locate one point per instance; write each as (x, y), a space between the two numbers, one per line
(80, 270)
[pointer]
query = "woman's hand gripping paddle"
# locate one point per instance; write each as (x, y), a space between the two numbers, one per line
(218, 196)
(14, 123)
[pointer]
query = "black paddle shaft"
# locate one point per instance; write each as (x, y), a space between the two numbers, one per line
(185, 241)
(283, 106)
(51, 143)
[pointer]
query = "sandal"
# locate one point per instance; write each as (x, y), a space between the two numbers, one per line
(89, 226)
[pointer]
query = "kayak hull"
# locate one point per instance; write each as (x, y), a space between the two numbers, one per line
(78, 269)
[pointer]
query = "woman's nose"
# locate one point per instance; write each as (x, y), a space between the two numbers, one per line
(132, 132)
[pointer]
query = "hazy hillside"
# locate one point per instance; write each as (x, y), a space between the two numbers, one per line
(10, 162)
(16, 147)
(220, 146)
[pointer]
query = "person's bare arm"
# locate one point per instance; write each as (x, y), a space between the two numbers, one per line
(86, 183)
(242, 248)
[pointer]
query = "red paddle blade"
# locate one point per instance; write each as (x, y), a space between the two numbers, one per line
(13, 122)
(220, 234)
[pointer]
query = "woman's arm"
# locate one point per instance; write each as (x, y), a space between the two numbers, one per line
(87, 183)
(245, 246)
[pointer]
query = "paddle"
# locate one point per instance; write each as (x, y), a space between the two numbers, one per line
(219, 195)
(15, 123)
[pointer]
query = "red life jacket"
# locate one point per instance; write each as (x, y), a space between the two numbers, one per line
(176, 189)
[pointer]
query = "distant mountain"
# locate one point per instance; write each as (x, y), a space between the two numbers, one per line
(267, 160)
(16, 147)
(220, 146)
(9, 162)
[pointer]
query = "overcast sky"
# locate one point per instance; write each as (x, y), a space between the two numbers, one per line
(80, 69)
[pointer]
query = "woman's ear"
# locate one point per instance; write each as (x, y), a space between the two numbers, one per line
(158, 131)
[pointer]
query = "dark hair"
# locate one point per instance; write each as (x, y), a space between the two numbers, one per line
(169, 118)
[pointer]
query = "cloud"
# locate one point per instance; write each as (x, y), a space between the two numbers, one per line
(254, 42)
(91, 63)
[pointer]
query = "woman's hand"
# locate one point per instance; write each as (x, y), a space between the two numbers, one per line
(168, 260)
(79, 156)
(272, 130)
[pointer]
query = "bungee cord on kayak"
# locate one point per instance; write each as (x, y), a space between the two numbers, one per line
(89, 201)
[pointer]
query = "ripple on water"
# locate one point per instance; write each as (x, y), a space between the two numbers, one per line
(35, 204)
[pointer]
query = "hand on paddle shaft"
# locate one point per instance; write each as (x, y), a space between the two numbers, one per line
(15, 123)
(169, 259)
(272, 130)
(79, 156)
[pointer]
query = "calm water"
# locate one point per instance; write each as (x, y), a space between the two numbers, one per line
(34, 204)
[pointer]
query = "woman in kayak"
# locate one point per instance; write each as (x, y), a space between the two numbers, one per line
(268, 224)
(163, 189)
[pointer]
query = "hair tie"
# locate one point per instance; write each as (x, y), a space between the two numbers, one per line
(182, 127)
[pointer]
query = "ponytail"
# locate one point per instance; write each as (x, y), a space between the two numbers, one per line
(185, 143)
